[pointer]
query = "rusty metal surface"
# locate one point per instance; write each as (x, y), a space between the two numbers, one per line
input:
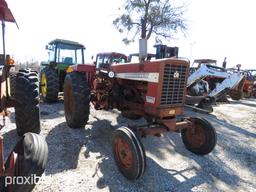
(12, 164)
(196, 135)
(123, 153)
(162, 126)
(154, 131)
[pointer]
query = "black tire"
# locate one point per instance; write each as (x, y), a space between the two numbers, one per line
(223, 98)
(206, 104)
(254, 90)
(136, 165)
(76, 100)
(51, 85)
(247, 94)
(13, 83)
(27, 102)
(129, 115)
(193, 142)
(236, 95)
(32, 154)
(254, 94)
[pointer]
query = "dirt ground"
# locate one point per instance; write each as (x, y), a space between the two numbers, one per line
(81, 159)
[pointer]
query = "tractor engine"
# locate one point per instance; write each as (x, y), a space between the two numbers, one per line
(126, 91)
(101, 92)
(108, 93)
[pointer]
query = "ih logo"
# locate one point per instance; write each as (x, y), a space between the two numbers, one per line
(176, 75)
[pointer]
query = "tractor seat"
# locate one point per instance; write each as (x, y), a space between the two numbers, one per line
(68, 60)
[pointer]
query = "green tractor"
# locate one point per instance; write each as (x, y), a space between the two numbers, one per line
(62, 54)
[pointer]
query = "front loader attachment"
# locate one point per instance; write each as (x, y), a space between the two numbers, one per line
(225, 86)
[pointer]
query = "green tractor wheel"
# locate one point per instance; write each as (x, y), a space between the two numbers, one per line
(49, 84)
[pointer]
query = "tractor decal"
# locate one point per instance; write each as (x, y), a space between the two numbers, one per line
(148, 77)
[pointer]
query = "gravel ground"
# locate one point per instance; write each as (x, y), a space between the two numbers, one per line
(81, 159)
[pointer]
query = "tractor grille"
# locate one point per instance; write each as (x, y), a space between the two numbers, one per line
(174, 83)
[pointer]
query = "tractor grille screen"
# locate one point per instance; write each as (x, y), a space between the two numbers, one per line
(174, 83)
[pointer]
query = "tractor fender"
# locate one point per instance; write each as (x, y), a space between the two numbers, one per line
(85, 68)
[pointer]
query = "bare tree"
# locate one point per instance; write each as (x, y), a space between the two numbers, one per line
(150, 17)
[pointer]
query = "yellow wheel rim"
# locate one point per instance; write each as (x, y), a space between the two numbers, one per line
(43, 85)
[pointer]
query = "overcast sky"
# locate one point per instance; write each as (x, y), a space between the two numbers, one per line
(217, 29)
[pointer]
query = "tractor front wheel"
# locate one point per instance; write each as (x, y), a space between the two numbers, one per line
(201, 138)
(129, 153)
(27, 102)
(236, 95)
(31, 154)
(49, 84)
(76, 100)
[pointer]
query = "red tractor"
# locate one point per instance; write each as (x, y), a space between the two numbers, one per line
(27, 160)
(154, 90)
(249, 84)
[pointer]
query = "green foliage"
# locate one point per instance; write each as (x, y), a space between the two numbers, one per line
(150, 17)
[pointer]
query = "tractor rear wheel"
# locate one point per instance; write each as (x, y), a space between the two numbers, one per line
(201, 139)
(76, 100)
(129, 153)
(49, 84)
(31, 159)
(27, 102)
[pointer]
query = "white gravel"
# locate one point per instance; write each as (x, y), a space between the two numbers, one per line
(81, 159)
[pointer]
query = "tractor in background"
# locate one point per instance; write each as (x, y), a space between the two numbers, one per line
(29, 156)
(62, 54)
(208, 83)
(155, 90)
(250, 83)
(104, 60)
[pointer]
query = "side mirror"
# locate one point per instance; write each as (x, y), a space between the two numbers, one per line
(46, 47)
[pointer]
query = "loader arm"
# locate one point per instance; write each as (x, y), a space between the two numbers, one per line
(206, 70)
(229, 83)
